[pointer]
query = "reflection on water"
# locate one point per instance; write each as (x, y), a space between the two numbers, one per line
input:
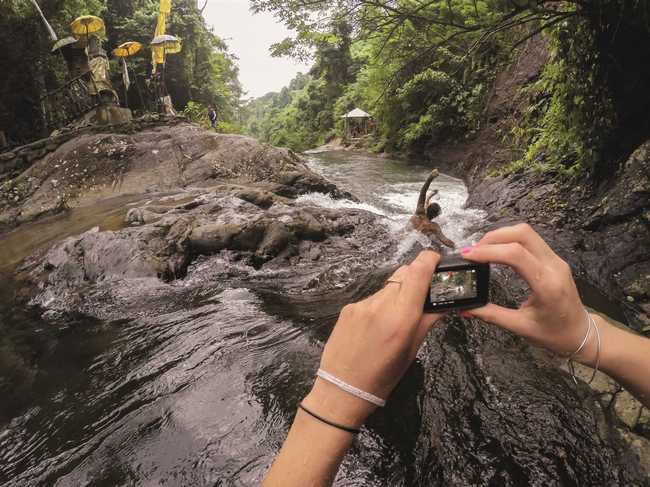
(200, 389)
(108, 214)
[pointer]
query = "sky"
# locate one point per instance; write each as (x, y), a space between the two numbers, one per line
(249, 38)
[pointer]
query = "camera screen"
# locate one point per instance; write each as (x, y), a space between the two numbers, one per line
(453, 285)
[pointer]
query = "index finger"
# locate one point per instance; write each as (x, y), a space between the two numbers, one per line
(418, 279)
(514, 255)
(523, 234)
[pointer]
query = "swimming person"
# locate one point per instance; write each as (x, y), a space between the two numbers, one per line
(375, 340)
(426, 212)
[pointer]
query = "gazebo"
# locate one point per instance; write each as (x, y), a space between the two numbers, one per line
(357, 123)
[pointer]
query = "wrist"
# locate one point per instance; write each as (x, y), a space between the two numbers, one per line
(336, 405)
(591, 355)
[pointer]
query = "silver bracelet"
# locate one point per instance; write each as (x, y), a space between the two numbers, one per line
(591, 323)
(366, 396)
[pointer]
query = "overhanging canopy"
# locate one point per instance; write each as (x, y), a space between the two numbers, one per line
(356, 113)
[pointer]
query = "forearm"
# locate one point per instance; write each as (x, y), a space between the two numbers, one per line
(423, 194)
(310, 456)
(624, 356)
(313, 450)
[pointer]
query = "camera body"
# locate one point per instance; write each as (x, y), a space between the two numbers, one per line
(458, 284)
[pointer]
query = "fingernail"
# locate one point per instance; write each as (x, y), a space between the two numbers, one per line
(467, 250)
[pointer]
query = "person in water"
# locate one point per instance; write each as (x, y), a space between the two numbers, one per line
(426, 212)
(375, 340)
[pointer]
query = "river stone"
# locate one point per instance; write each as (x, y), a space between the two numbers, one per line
(627, 408)
(138, 216)
(210, 238)
(258, 197)
(276, 238)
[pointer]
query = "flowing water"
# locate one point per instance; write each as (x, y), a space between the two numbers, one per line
(200, 389)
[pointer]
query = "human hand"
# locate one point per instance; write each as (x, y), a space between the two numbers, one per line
(374, 342)
(553, 316)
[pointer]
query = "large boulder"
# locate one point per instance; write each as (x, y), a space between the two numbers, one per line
(95, 166)
(159, 244)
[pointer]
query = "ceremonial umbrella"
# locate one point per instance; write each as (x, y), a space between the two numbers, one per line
(170, 44)
(127, 49)
(86, 25)
(124, 50)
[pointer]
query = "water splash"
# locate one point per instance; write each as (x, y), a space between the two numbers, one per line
(382, 190)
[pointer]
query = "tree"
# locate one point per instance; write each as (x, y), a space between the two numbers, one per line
(600, 47)
(204, 71)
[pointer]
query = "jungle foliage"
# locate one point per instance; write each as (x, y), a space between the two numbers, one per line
(204, 72)
(424, 70)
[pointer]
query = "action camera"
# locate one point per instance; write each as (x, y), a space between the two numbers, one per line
(458, 284)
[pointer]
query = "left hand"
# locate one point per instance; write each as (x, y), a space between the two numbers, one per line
(374, 342)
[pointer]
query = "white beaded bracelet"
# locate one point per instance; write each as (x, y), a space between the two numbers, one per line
(366, 396)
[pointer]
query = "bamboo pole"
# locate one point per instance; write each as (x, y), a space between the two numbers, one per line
(49, 28)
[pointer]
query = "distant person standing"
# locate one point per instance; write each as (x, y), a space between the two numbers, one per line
(212, 115)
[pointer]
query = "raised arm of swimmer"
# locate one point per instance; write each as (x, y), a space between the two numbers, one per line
(422, 200)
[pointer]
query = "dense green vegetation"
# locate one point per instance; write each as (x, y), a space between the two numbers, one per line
(204, 72)
(424, 70)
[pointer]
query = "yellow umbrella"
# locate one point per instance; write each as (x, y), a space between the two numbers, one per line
(127, 49)
(87, 25)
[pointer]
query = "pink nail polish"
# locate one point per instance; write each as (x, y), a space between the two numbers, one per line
(466, 250)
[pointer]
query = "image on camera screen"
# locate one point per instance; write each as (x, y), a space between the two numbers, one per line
(453, 285)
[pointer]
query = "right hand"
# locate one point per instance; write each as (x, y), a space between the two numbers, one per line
(553, 316)
(374, 341)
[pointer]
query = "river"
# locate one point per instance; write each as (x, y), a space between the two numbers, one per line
(199, 383)
(203, 391)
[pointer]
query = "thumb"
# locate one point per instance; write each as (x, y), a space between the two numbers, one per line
(509, 319)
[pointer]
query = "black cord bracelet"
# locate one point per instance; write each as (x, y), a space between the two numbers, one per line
(331, 423)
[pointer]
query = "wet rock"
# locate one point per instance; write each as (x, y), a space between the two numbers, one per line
(628, 409)
(523, 420)
(138, 216)
(92, 166)
(211, 238)
(166, 241)
(258, 197)
(639, 287)
(601, 231)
